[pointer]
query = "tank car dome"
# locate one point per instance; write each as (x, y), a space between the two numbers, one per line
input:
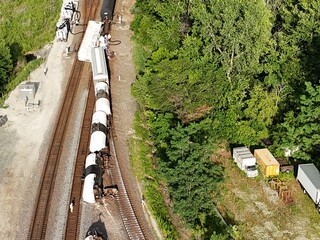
(101, 87)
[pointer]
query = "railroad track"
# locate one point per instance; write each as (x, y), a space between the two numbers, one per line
(40, 218)
(130, 218)
(73, 220)
(125, 206)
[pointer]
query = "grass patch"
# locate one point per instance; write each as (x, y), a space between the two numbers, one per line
(31, 25)
(259, 213)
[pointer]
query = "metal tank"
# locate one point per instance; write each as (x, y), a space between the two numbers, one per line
(99, 64)
(89, 180)
(90, 160)
(97, 141)
(88, 192)
(99, 117)
(103, 104)
(107, 9)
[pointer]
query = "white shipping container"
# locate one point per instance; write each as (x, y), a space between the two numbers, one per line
(243, 157)
(309, 177)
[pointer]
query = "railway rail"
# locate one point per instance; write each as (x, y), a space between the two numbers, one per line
(128, 215)
(131, 217)
(40, 218)
(73, 219)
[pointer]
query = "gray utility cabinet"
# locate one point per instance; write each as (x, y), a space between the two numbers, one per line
(309, 178)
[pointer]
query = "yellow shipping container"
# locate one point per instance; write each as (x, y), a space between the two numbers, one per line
(268, 164)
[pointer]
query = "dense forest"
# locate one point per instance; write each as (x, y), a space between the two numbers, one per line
(25, 26)
(224, 73)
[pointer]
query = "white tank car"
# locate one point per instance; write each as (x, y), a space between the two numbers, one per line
(90, 160)
(89, 180)
(99, 117)
(103, 104)
(97, 141)
(88, 193)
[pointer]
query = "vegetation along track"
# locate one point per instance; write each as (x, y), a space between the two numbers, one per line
(41, 214)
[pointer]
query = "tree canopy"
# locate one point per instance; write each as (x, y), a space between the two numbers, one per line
(226, 71)
(6, 65)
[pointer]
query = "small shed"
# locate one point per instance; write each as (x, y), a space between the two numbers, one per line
(268, 164)
(27, 90)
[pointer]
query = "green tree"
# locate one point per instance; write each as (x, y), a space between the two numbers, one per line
(5, 65)
(178, 81)
(184, 161)
(300, 131)
(157, 24)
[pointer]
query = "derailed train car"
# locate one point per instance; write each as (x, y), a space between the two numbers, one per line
(107, 9)
(94, 50)
(93, 181)
(99, 65)
(99, 126)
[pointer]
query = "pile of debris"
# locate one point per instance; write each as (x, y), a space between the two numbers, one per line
(284, 192)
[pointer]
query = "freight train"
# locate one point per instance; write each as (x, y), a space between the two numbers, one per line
(95, 50)
(100, 126)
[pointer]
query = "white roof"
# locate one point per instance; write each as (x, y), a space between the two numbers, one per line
(312, 172)
(89, 40)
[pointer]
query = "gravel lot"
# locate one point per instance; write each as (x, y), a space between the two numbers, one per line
(23, 144)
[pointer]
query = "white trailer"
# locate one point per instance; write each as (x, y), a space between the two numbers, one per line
(245, 161)
(309, 178)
